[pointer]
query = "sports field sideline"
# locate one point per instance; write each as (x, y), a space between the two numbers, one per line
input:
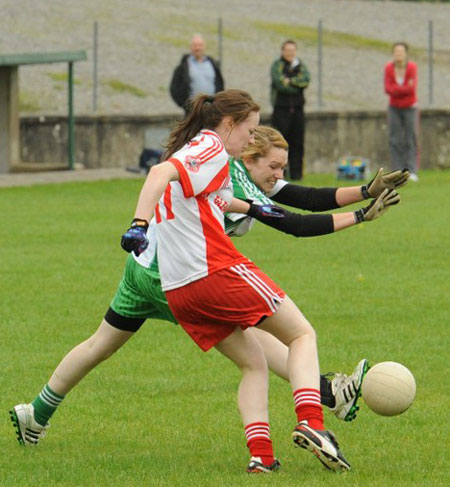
(48, 177)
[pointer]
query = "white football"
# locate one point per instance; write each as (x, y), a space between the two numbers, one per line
(388, 388)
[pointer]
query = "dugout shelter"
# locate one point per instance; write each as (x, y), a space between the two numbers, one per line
(9, 102)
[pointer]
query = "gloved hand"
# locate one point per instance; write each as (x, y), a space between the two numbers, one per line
(383, 180)
(378, 206)
(261, 212)
(135, 238)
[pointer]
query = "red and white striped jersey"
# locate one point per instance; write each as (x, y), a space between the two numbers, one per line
(190, 223)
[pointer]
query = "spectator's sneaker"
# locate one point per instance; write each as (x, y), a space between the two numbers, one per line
(323, 444)
(29, 432)
(347, 390)
(256, 466)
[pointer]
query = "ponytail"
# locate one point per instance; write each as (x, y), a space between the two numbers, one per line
(206, 112)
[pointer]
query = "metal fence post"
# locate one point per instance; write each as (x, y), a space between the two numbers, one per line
(220, 41)
(95, 67)
(430, 62)
(319, 64)
(70, 122)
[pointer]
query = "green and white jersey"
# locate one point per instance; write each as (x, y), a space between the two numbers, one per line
(245, 189)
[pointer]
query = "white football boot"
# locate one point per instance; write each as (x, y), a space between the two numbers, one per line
(29, 432)
(346, 390)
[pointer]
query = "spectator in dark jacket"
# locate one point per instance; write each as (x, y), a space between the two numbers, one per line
(196, 73)
(290, 76)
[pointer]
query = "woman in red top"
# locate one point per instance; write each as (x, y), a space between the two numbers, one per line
(400, 83)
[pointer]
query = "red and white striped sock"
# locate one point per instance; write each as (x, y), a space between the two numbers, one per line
(307, 406)
(259, 442)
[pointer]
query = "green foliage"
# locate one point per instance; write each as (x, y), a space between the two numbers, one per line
(62, 78)
(181, 28)
(162, 413)
(309, 36)
(424, 1)
(121, 87)
(28, 102)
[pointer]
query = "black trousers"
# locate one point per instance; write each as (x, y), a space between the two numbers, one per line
(291, 123)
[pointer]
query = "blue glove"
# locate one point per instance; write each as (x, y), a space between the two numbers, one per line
(261, 212)
(135, 238)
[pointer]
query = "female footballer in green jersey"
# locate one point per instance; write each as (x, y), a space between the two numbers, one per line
(258, 178)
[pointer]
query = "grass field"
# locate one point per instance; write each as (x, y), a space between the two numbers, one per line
(161, 412)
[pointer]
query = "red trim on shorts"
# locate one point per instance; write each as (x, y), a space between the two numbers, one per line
(211, 308)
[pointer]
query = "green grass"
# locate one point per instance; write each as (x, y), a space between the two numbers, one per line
(180, 29)
(161, 412)
(62, 77)
(121, 87)
(309, 36)
(28, 102)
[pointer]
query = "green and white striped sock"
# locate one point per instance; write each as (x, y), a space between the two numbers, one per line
(45, 405)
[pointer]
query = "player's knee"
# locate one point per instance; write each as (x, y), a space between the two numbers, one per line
(255, 362)
(306, 334)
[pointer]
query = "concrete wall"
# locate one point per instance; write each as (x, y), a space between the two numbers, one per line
(117, 141)
(9, 117)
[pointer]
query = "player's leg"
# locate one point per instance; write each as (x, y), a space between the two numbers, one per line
(244, 350)
(31, 420)
(296, 144)
(127, 313)
(410, 122)
(396, 138)
(275, 351)
(87, 355)
(290, 326)
(339, 392)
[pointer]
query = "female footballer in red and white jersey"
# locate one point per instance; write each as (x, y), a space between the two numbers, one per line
(214, 291)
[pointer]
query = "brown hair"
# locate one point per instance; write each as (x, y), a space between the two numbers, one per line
(400, 44)
(289, 41)
(265, 138)
(206, 112)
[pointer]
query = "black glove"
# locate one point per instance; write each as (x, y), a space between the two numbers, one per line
(135, 238)
(262, 212)
(378, 206)
(383, 180)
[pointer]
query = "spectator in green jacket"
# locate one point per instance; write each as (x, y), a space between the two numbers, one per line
(290, 77)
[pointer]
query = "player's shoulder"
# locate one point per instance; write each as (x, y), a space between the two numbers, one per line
(205, 140)
(236, 165)
(210, 137)
(205, 147)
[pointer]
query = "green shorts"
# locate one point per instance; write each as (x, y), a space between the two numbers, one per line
(139, 296)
